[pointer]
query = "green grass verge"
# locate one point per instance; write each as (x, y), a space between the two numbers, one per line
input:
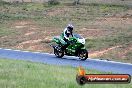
(24, 74)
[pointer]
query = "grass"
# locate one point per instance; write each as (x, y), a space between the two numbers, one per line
(5, 30)
(77, 14)
(129, 55)
(115, 2)
(109, 41)
(122, 53)
(81, 15)
(25, 74)
(121, 38)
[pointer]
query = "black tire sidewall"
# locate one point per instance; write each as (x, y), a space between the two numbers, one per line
(85, 51)
(57, 55)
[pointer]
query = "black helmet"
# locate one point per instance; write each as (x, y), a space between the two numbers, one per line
(70, 27)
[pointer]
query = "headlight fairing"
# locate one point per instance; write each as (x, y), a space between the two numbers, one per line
(81, 41)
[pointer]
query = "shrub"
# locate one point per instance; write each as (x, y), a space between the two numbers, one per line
(53, 2)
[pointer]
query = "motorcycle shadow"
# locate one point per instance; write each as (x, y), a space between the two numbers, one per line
(72, 58)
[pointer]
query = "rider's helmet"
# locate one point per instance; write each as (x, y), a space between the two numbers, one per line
(70, 27)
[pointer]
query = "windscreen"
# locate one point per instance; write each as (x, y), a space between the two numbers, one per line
(77, 36)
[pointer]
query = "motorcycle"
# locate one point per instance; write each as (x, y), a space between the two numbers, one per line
(75, 48)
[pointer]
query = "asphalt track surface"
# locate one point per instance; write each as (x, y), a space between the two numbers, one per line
(100, 65)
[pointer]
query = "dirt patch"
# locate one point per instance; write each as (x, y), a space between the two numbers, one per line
(117, 52)
(3, 37)
(19, 27)
(114, 21)
(26, 44)
(31, 41)
(23, 22)
(124, 51)
(40, 48)
(58, 11)
(102, 52)
(94, 32)
(31, 36)
(29, 33)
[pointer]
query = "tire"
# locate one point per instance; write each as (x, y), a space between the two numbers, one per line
(58, 53)
(83, 55)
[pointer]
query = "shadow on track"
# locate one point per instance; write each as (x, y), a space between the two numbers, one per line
(70, 58)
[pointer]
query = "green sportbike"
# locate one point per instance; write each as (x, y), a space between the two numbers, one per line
(75, 48)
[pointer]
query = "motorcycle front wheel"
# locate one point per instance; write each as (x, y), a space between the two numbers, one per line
(83, 55)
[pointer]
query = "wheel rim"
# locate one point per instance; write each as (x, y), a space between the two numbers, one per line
(83, 55)
(57, 53)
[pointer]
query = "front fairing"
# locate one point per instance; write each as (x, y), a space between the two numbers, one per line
(79, 43)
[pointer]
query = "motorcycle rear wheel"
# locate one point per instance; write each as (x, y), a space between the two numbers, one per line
(58, 52)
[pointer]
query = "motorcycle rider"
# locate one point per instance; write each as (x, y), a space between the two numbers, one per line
(68, 31)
